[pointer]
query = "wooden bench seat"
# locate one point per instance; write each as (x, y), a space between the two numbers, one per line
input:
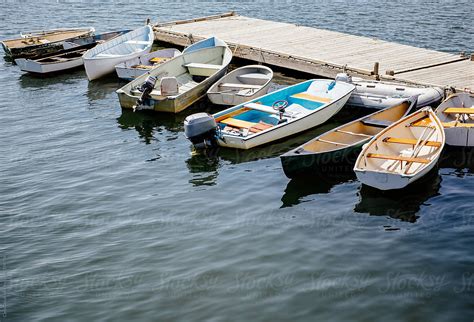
(205, 66)
(459, 110)
(397, 158)
(236, 85)
(410, 142)
(423, 122)
(313, 98)
(237, 123)
(355, 134)
(458, 124)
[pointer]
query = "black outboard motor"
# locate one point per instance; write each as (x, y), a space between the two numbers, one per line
(146, 89)
(201, 129)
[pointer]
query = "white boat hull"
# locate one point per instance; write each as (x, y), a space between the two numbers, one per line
(292, 127)
(32, 66)
(97, 68)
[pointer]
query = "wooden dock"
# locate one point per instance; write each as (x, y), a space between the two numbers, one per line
(324, 52)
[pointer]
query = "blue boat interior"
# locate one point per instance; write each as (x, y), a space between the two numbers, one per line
(259, 114)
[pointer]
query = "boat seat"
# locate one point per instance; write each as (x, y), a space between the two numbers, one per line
(104, 55)
(169, 86)
(332, 142)
(355, 134)
(459, 110)
(137, 42)
(235, 85)
(261, 107)
(376, 123)
(423, 122)
(310, 97)
(410, 142)
(237, 123)
(198, 69)
(253, 78)
(458, 124)
(397, 158)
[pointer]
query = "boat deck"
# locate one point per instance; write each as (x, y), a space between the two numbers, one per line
(323, 52)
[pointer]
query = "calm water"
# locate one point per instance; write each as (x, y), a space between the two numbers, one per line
(106, 216)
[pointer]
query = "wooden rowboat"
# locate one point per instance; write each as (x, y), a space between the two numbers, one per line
(179, 82)
(457, 116)
(241, 85)
(65, 59)
(101, 60)
(271, 117)
(403, 152)
(342, 144)
(37, 44)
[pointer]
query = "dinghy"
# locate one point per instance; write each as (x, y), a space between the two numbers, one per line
(65, 59)
(241, 85)
(457, 116)
(380, 94)
(403, 152)
(138, 66)
(101, 60)
(341, 145)
(177, 83)
(205, 43)
(36, 44)
(271, 117)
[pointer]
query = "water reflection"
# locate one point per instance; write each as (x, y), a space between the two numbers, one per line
(102, 88)
(403, 204)
(32, 81)
(299, 188)
(461, 159)
(204, 168)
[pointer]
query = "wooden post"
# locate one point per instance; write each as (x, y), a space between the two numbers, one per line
(472, 57)
(376, 70)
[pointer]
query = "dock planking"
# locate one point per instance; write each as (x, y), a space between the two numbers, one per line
(323, 52)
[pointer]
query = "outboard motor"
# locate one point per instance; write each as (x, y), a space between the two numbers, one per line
(201, 130)
(343, 77)
(146, 89)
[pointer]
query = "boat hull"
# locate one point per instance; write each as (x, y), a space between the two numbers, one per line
(296, 165)
(32, 66)
(39, 50)
(299, 125)
(97, 67)
(232, 99)
(173, 104)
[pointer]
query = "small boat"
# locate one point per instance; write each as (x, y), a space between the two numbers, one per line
(241, 85)
(138, 66)
(381, 94)
(181, 81)
(457, 117)
(271, 117)
(342, 144)
(403, 152)
(101, 60)
(65, 59)
(36, 44)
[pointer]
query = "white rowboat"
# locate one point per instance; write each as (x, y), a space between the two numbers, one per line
(241, 85)
(402, 153)
(457, 116)
(101, 60)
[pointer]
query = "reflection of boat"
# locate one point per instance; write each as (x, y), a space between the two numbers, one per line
(457, 116)
(399, 204)
(341, 145)
(101, 60)
(403, 152)
(32, 81)
(241, 85)
(299, 188)
(177, 83)
(381, 94)
(133, 68)
(36, 44)
(64, 59)
(204, 169)
(271, 117)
